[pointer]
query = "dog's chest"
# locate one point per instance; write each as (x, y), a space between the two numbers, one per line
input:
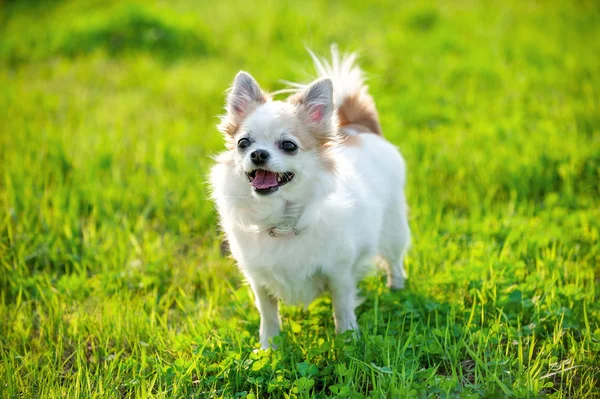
(292, 268)
(292, 288)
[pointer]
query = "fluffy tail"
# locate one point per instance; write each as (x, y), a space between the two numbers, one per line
(353, 103)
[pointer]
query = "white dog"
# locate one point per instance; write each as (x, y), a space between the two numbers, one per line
(309, 192)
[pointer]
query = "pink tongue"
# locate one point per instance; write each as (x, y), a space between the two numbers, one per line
(264, 179)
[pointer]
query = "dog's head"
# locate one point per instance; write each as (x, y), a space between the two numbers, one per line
(279, 146)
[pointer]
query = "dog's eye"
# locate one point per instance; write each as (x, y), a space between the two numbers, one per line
(289, 147)
(243, 144)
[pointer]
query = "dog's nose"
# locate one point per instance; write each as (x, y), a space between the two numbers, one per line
(259, 157)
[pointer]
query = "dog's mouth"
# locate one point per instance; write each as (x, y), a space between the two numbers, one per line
(267, 182)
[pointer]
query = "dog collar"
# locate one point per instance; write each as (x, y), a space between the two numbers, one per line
(276, 232)
(287, 227)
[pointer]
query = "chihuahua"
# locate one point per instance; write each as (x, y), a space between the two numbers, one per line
(309, 192)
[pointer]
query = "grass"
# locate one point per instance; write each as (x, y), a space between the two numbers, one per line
(112, 283)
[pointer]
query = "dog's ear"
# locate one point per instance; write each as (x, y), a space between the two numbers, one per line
(316, 105)
(244, 96)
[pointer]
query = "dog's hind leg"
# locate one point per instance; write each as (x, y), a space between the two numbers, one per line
(394, 243)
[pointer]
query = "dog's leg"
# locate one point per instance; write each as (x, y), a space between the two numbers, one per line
(396, 275)
(269, 315)
(343, 298)
(394, 244)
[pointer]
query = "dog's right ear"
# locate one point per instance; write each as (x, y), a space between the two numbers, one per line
(244, 97)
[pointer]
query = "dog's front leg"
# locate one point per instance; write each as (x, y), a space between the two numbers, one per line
(269, 315)
(343, 298)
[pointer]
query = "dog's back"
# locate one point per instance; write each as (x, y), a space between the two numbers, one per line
(378, 162)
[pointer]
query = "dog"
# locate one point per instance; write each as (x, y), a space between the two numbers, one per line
(309, 192)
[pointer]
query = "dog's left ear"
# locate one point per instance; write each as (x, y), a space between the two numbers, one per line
(244, 97)
(316, 105)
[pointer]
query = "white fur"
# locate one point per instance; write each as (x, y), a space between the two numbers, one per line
(344, 218)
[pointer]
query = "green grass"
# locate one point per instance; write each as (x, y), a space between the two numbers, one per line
(111, 279)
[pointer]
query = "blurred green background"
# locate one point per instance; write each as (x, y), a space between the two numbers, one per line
(112, 282)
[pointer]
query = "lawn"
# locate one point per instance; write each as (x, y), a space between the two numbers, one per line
(113, 282)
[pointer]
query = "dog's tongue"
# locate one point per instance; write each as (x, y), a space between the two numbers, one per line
(264, 179)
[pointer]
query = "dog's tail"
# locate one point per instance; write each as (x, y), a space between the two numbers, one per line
(353, 103)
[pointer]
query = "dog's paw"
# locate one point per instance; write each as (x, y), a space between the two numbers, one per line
(270, 342)
(396, 284)
(349, 335)
(265, 347)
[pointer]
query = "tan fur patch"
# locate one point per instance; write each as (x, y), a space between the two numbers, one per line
(306, 139)
(310, 138)
(359, 109)
(295, 99)
(328, 161)
(355, 127)
(351, 140)
(228, 128)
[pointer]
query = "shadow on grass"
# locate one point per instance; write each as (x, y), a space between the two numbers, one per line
(135, 29)
(128, 29)
(32, 5)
